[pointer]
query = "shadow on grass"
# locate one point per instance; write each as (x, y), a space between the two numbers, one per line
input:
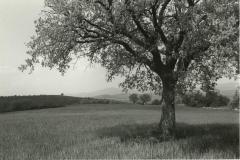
(195, 138)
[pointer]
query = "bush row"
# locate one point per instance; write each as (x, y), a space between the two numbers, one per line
(210, 99)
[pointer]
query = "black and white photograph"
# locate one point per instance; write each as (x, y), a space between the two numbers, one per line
(119, 79)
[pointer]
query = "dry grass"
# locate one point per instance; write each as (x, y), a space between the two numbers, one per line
(116, 131)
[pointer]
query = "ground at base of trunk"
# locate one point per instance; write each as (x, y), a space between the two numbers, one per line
(160, 136)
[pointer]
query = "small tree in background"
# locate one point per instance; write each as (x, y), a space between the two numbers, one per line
(211, 99)
(133, 98)
(144, 98)
(215, 99)
(193, 99)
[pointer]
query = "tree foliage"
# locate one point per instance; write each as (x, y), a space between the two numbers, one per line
(195, 40)
(133, 98)
(144, 98)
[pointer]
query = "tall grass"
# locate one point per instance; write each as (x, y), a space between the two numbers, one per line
(116, 131)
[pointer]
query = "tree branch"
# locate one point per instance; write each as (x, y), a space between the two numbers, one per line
(97, 26)
(191, 56)
(139, 27)
(179, 41)
(144, 60)
(157, 22)
(190, 2)
(161, 13)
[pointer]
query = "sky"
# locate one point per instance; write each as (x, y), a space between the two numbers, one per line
(16, 27)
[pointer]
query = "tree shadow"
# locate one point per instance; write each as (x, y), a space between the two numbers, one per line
(199, 137)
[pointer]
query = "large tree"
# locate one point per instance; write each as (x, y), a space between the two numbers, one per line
(155, 44)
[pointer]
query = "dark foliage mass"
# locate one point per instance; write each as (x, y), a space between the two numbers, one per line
(19, 103)
(144, 98)
(211, 99)
(133, 98)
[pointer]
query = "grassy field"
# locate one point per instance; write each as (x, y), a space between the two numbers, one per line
(116, 131)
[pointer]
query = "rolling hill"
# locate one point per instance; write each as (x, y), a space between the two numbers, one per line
(227, 88)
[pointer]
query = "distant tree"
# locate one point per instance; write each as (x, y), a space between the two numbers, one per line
(62, 94)
(194, 99)
(144, 98)
(133, 98)
(210, 99)
(215, 99)
(155, 44)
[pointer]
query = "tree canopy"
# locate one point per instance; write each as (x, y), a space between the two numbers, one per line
(138, 39)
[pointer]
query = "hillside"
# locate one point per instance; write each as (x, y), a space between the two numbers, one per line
(120, 97)
(19, 103)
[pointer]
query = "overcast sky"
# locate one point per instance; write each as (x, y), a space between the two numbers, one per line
(16, 28)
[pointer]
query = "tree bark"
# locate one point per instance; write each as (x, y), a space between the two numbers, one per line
(168, 120)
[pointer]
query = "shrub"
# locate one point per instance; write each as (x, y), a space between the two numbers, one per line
(156, 102)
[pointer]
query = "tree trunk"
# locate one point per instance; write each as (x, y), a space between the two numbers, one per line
(168, 121)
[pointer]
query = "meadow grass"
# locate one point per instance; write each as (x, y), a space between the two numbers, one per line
(116, 131)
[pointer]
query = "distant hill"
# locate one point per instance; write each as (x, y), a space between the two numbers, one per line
(227, 89)
(106, 91)
(121, 97)
(110, 93)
